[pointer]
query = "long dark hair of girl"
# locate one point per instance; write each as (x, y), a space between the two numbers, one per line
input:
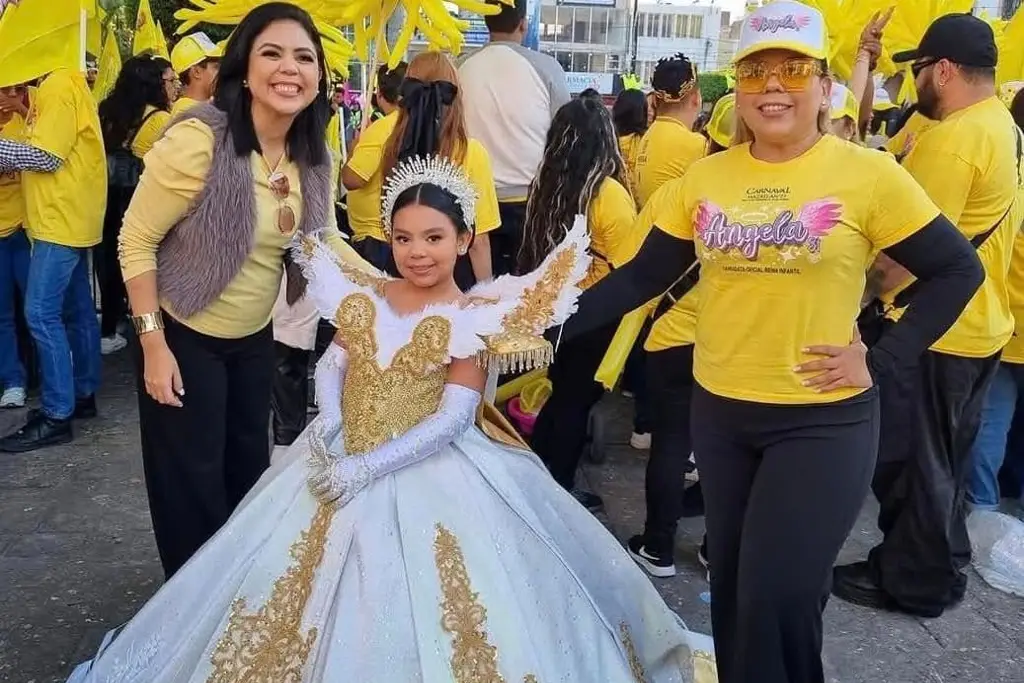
(437, 198)
(430, 114)
(580, 152)
(139, 85)
(629, 113)
(305, 138)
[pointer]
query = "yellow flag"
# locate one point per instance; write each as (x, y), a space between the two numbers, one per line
(108, 68)
(148, 37)
(93, 27)
(1011, 51)
(37, 37)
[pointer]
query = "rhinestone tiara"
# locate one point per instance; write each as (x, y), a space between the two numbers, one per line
(432, 170)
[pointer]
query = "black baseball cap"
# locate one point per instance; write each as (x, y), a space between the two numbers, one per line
(961, 38)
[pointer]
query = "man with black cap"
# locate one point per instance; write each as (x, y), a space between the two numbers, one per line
(969, 163)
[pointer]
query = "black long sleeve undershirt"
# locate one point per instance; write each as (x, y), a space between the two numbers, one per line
(660, 262)
(948, 272)
(942, 260)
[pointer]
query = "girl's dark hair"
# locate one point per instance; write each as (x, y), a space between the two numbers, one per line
(629, 113)
(389, 81)
(1017, 108)
(581, 151)
(306, 136)
(139, 85)
(436, 198)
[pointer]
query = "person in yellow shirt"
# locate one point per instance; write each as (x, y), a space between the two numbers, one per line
(785, 411)
(195, 59)
(132, 117)
(907, 136)
(361, 174)
(969, 163)
(431, 120)
(669, 146)
(14, 249)
(203, 246)
(61, 162)
(581, 173)
(629, 113)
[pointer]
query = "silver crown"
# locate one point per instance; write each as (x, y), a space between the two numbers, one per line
(434, 170)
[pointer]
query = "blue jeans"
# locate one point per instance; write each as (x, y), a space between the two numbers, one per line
(14, 256)
(61, 316)
(989, 448)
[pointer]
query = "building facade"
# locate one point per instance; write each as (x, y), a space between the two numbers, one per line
(997, 8)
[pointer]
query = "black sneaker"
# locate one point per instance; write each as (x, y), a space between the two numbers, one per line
(656, 564)
(591, 501)
(39, 432)
(85, 407)
(702, 557)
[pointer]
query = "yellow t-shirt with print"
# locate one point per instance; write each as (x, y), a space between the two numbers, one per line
(12, 204)
(182, 104)
(150, 131)
(176, 170)
(629, 148)
(968, 166)
(667, 149)
(610, 219)
(364, 203)
(66, 207)
(784, 249)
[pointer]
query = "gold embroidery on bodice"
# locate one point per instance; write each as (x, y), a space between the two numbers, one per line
(382, 403)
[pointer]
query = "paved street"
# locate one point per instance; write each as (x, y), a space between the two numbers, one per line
(77, 557)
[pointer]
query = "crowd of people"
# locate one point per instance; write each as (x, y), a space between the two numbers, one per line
(829, 283)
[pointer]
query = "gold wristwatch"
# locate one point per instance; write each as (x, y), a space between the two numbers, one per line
(148, 322)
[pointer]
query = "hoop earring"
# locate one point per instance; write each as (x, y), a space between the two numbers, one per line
(245, 84)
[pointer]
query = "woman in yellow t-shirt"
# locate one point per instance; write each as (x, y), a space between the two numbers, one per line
(223, 194)
(431, 120)
(581, 173)
(629, 113)
(132, 117)
(785, 413)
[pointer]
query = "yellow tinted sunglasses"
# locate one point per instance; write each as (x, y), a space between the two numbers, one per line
(794, 75)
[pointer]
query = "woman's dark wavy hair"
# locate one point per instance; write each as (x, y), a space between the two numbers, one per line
(580, 152)
(629, 113)
(306, 136)
(436, 198)
(139, 85)
(1017, 108)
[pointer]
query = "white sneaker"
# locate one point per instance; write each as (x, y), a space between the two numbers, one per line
(109, 345)
(13, 397)
(641, 442)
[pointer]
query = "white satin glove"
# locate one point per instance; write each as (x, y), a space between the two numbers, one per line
(341, 478)
(327, 382)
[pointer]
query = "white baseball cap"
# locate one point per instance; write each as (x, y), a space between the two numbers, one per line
(882, 101)
(844, 103)
(784, 25)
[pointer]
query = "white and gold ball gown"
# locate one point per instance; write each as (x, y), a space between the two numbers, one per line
(429, 552)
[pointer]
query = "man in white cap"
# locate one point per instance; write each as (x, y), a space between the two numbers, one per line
(196, 60)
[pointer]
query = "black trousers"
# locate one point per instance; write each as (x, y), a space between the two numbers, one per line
(290, 395)
(201, 459)
(376, 253)
(931, 412)
(635, 380)
(669, 390)
(113, 297)
(507, 239)
(560, 432)
(783, 486)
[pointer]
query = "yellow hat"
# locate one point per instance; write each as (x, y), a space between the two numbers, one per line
(722, 124)
(193, 49)
(784, 25)
(844, 103)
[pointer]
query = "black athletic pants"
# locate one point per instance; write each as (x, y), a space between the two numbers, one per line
(783, 486)
(931, 412)
(201, 459)
(560, 432)
(507, 239)
(290, 397)
(669, 389)
(113, 297)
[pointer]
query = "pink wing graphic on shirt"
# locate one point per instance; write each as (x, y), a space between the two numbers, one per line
(818, 218)
(703, 216)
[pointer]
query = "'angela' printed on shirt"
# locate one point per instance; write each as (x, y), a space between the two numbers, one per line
(806, 228)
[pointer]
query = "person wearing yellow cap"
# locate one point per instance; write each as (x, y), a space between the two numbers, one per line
(845, 112)
(721, 126)
(196, 60)
(784, 415)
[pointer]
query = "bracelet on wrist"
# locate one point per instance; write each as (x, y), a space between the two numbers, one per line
(148, 322)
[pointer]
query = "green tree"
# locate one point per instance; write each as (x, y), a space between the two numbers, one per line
(712, 87)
